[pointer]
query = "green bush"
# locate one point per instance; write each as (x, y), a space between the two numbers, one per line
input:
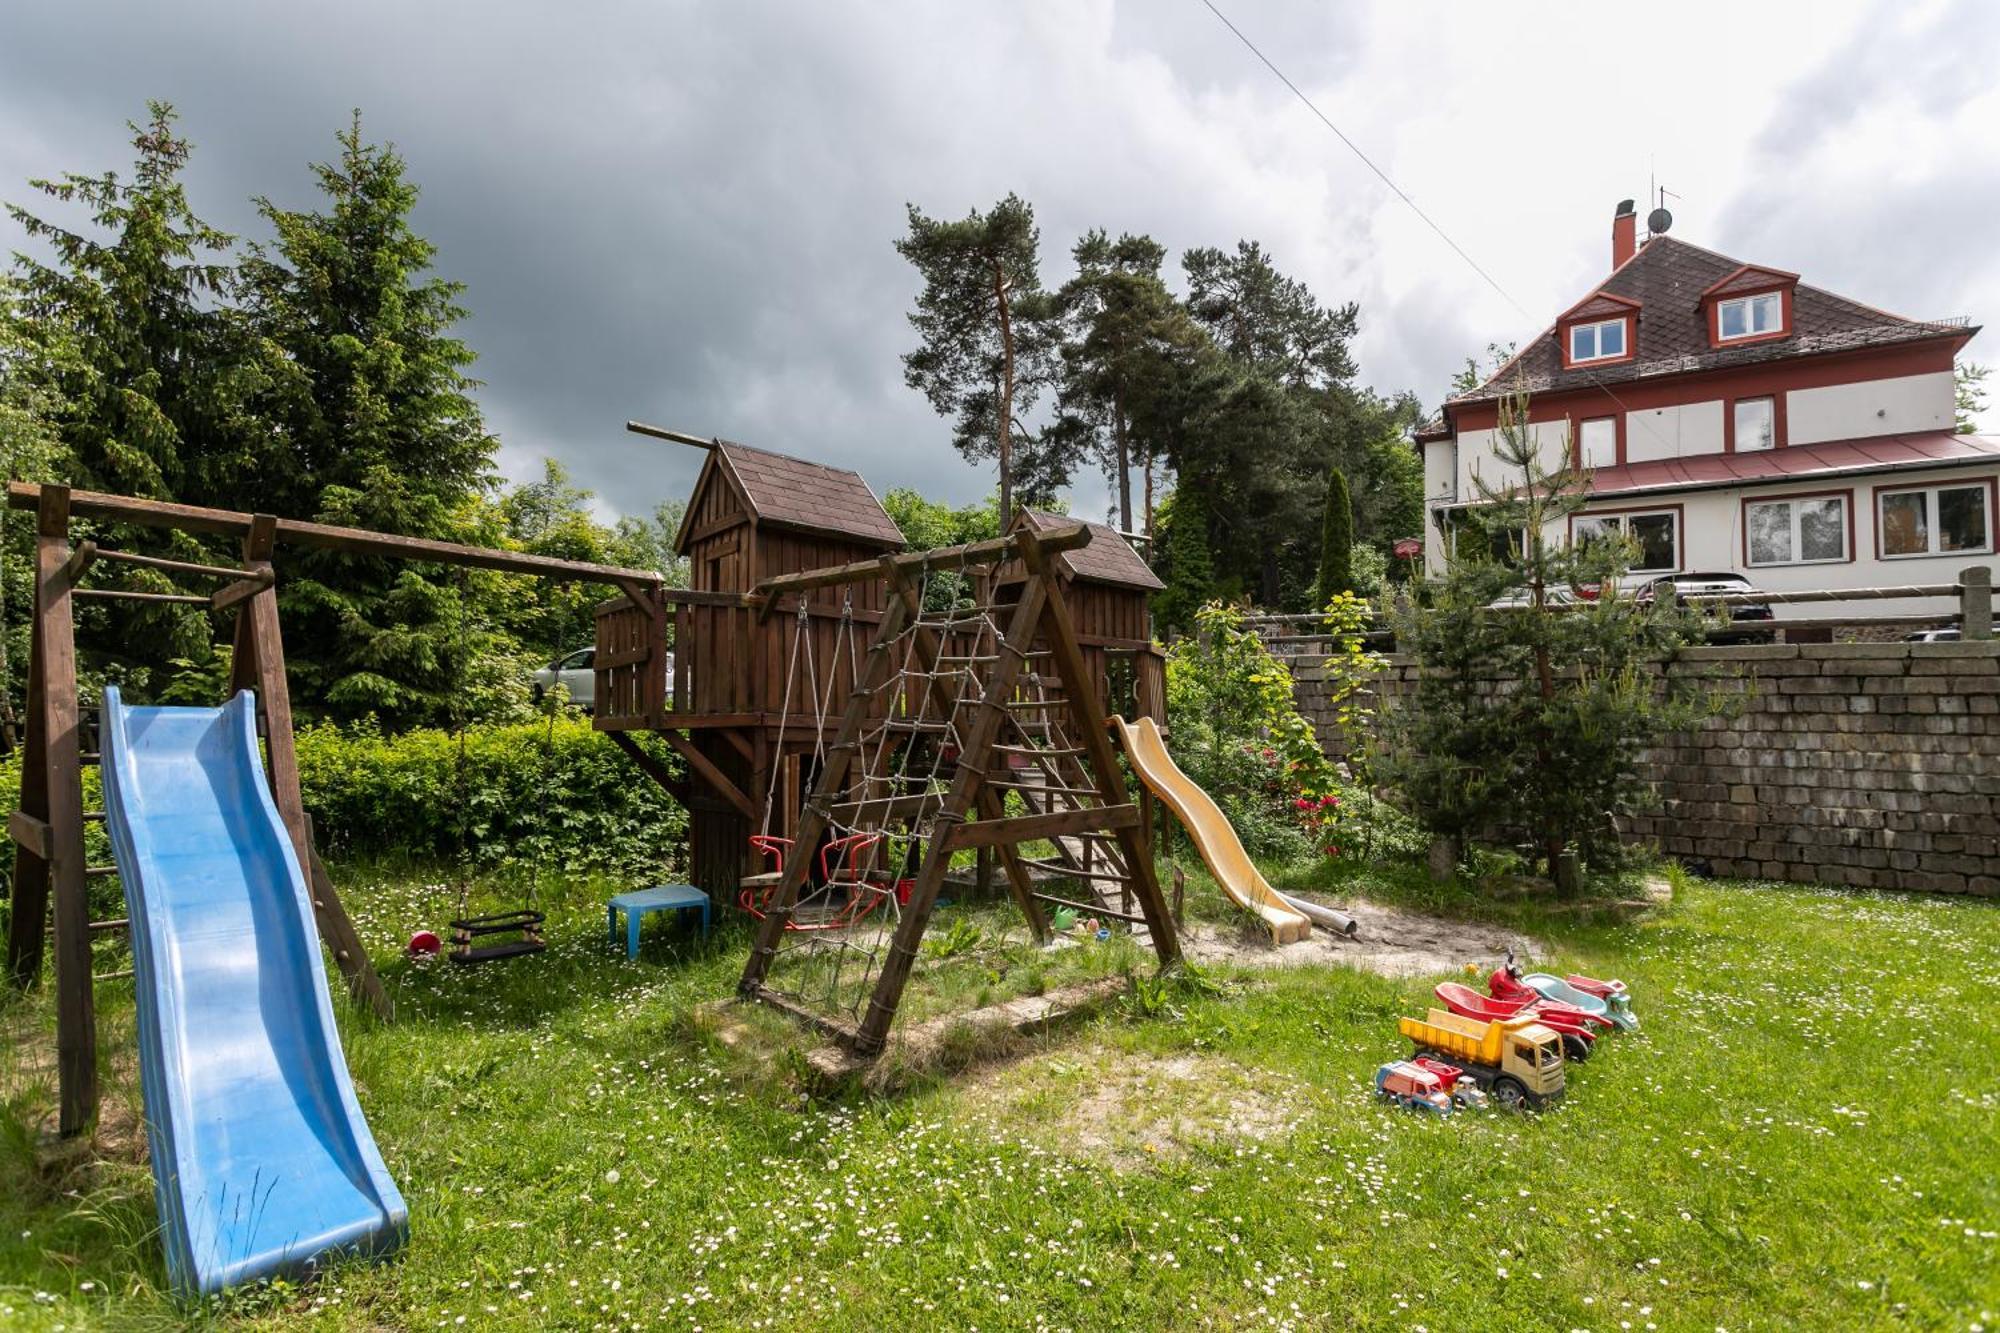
(558, 797)
(551, 794)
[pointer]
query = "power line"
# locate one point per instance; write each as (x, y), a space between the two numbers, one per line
(1368, 162)
(1414, 207)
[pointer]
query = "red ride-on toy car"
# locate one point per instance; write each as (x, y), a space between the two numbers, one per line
(1508, 989)
(1577, 1037)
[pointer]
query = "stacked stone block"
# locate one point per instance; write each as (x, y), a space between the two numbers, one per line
(1868, 764)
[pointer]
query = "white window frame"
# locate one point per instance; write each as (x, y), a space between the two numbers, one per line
(1750, 305)
(1622, 521)
(1934, 528)
(1736, 423)
(1595, 329)
(1846, 503)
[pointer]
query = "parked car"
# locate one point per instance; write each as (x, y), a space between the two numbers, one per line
(1750, 622)
(575, 673)
(1942, 634)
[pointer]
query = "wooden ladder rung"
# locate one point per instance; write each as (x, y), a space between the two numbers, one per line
(116, 923)
(1047, 751)
(1071, 872)
(99, 872)
(121, 595)
(1094, 909)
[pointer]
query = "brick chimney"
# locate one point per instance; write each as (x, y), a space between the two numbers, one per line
(1624, 232)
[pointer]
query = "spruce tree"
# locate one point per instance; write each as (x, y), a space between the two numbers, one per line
(1185, 565)
(1532, 707)
(1336, 539)
(126, 328)
(370, 395)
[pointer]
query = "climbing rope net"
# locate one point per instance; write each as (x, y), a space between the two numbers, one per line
(915, 724)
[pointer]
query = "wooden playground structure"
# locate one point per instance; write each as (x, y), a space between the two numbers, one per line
(854, 715)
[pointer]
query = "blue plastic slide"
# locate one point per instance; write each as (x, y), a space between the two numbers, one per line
(262, 1163)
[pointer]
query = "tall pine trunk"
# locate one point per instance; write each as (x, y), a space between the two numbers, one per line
(1005, 408)
(1124, 461)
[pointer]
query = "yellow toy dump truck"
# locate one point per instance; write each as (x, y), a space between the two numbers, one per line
(1517, 1059)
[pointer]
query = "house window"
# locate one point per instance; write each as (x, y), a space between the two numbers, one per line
(1655, 536)
(1597, 342)
(1750, 316)
(1756, 424)
(1938, 520)
(1597, 442)
(1803, 530)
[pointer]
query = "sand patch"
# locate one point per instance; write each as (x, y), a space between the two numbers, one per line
(1390, 943)
(1123, 1109)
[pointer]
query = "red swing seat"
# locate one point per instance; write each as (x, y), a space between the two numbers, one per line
(837, 870)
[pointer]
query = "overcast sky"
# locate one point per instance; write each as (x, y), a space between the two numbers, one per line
(684, 212)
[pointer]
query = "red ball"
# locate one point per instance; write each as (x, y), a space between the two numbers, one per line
(425, 943)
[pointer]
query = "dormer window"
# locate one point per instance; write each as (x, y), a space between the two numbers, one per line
(1750, 317)
(1603, 341)
(1749, 305)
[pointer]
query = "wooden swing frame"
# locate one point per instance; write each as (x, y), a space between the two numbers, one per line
(1039, 613)
(48, 828)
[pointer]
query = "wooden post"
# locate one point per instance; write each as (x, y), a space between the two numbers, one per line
(978, 752)
(258, 663)
(1975, 602)
(52, 791)
(1060, 633)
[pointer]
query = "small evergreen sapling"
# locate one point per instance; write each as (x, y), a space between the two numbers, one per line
(1533, 702)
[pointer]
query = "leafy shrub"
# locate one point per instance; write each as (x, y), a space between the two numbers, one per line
(548, 794)
(551, 793)
(1238, 733)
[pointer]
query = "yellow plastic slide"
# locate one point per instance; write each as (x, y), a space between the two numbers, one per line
(1221, 850)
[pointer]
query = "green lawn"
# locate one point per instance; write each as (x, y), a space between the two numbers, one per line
(1803, 1135)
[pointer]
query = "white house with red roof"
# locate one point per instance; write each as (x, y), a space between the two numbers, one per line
(1734, 418)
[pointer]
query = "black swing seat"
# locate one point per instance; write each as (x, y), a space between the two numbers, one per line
(527, 924)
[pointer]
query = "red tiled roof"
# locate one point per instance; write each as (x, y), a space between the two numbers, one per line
(1807, 462)
(793, 493)
(1109, 558)
(1668, 278)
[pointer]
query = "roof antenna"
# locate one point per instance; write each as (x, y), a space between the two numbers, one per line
(1659, 221)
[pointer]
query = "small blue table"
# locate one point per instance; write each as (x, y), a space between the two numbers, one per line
(659, 898)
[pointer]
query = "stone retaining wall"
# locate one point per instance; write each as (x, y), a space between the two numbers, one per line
(1873, 764)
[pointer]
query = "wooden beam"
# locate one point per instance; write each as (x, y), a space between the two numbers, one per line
(671, 436)
(1065, 538)
(29, 833)
(710, 774)
(325, 536)
(242, 590)
(651, 767)
(79, 560)
(1055, 824)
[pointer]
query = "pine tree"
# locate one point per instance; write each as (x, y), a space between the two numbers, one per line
(987, 346)
(1123, 333)
(370, 396)
(1336, 540)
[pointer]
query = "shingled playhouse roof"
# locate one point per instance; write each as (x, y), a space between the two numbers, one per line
(791, 492)
(1109, 558)
(1667, 279)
